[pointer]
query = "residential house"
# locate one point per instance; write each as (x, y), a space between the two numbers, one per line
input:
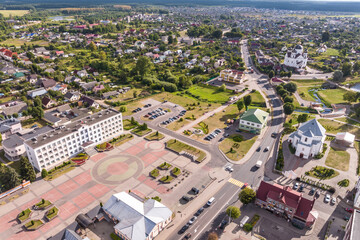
(89, 102)
(61, 88)
(308, 140)
(47, 102)
(47, 83)
(148, 217)
(72, 96)
(36, 92)
(88, 86)
(288, 203)
(42, 50)
(82, 73)
(253, 120)
(109, 95)
(98, 88)
(71, 79)
(32, 78)
(9, 108)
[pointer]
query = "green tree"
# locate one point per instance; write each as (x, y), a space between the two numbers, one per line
(44, 173)
(92, 47)
(9, 178)
(288, 108)
(248, 227)
(346, 69)
(143, 66)
(223, 87)
(289, 74)
(325, 36)
(0, 139)
(233, 212)
(356, 66)
(247, 101)
(350, 96)
(338, 76)
(123, 109)
(135, 94)
(288, 99)
(217, 34)
(26, 170)
(247, 195)
(302, 118)
(271, 74)
(290, 87)
(240, 105)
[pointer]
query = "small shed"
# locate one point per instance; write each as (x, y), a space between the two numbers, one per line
(83, 220)
(345, 138)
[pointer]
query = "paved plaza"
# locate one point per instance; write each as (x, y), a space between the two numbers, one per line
(125, 168)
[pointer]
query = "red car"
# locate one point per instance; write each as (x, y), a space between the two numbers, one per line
(245, 185)
(350, 210)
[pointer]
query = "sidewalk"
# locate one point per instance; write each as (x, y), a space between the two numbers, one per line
(181, 217)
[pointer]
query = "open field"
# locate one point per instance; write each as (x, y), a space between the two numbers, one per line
(332, 96)
(19, 42)
(220, 118)
(338, 159)
(335, 127)
(347, 120)
(305, 85)
(13, 13)
(293, 117)
(210, 93)
(257, 99)
(330, 52)
(239, 148)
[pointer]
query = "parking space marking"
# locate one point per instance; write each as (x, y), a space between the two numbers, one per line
(236, 182)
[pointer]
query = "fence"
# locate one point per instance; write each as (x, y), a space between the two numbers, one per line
(7, 193)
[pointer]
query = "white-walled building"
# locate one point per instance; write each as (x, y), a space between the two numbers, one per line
(52, 148)
(296, 57)
(135, 219)
(308, 139)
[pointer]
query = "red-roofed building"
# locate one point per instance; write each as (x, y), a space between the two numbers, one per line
(284, 201)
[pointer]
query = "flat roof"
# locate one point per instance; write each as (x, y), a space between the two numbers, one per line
(355, 231)
(67, 129)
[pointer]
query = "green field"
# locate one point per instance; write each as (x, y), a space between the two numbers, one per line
(330, 52)
(305, 85)
(257, 99)
(13, 13)
(332, 96)
(219, 119)
(335, 127)
(338, 159)
(19, 42)
(239, 148)
(210, 93)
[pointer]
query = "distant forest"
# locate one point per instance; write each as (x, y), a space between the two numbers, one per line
(285, 5)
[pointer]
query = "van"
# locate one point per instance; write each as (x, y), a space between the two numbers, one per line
(211, 200)
(243, 221)
(258, 164)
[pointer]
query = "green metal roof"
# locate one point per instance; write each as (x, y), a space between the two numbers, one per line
(255, 116)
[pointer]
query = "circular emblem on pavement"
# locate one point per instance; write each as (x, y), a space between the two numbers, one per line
(114, 170)
(157, 146)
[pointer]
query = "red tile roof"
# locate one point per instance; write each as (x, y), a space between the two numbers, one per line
(304, 209)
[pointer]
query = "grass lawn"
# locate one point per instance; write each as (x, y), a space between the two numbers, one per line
(332, 96)
(5, 99)
(347, 120)
(24, 215)
(43, 205)
(166, 179)
(176, 171)
(335, 127)
(176, 125)
(121, 139)
(239, 148)
(13, 13)
(37, 223)
(322, 172)
(19, 42)
(60, 171)
(128, 125)
(220, 118)
(305, 85)
(330, 52)
(338, 159)
(294, 117)
(155, 173)
(165, 166)
(178, 146)
(257, 99)
(139, 132)
(154, 136)
(210, 93)
(32, 121)
(53, 212)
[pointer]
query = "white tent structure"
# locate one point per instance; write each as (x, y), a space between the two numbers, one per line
(290, 174)
(345, 138)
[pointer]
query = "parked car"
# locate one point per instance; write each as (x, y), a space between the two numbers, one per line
(223, 224)
(317, 194)
(184, 228)
(346, 218)
(333, 200)
(226, 135)
(301, 188)
(187, 236)
(273, 135)
(195, 190)
(327, 198)
(350, 210)
(312, 191)
(230, 169)
(186, 198)
(192, 220)
(221, 139)
(258, 149)
(296, 185)
(199, 211)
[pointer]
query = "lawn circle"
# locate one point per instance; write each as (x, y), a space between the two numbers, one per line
(117, 168)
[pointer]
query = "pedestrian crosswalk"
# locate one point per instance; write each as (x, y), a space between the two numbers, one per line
(236, 182)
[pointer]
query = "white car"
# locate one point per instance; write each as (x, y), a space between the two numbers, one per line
(230, 169)
(333, 200)
(327, 198)
(296, 185)
(192, 220)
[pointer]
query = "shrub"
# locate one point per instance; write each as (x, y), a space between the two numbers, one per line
(344, 183)
(248, 227)
(44, 173)
(238, 138)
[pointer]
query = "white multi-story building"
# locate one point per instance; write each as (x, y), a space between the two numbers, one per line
(296, 57)
(52, 148)
(308, 139)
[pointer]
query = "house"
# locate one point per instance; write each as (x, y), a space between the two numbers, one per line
(61, 88)
(71, 79)
(89, 102)
(108, 95)
(288, 203)
(59, 53)
(352, 229)
(9, 127)
(47, 102)
(42, 50)
(32, 78)
(308, 140)
(231, 76)
(135, 219)
(98, 88)
(47, 83)
(9, 108)
(322, 48)
(296, 57)
(219, 63)
(253, 120)
(72, 96)
(82, 73)
(345, 139)
(36, 92)
(275, 81)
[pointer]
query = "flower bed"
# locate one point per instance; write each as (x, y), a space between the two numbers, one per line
(165, 166)
(104, 147)
(141, 132)
(176, 172)
(156, 136)
(63, 168)
(179, 147)
(24, 215)
(121, 139)
(322, 172)
(52, 213)
(33, 224)
(166, 179)
(154, 173)
(43, 204)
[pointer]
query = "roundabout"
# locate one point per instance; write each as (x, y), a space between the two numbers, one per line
(114, 170)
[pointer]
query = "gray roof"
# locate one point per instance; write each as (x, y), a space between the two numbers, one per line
(6, 124)
(75, 124)
(136, 219)
(314, 127)
(71, 235)
(11, 109)
(308, 133)
(18, 138)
